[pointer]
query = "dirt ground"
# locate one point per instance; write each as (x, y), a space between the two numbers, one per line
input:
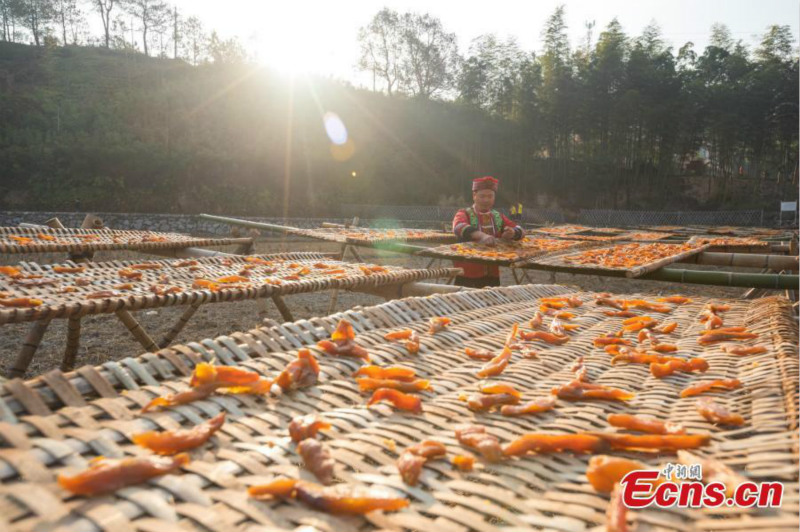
(105, 338)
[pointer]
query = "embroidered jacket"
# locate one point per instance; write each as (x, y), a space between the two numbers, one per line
(466, 222)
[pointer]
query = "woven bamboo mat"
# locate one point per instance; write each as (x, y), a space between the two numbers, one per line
(101, 287)
(607, 230)
(367, 236)
(700, 230)
(52, 425)
(732, 244)
(504, 253)
(560, 229)
(565, 262)
(745, 231)
(639, 236)
(589, 236)
(25, 240)
(678, 229)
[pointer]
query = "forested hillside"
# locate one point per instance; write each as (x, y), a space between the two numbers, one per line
(622, 122)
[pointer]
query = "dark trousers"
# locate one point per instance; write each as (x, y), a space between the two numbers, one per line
(477, 282)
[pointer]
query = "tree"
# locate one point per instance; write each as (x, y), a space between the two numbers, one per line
(228, 51)
(78, 26)
(120, 30)
(558, 95)
(35, 15)
(151, 14)
(104, 7)
(602, 116)
(409, 52)
(175, 33)
(773, 113)
(556, 41)
(430, 55)
(382, 48)
(721, 37)
(69, 16)
(490, 77)
(193, 42)
(160, 30)
(609, 61)
(9, 10)
(777, 43)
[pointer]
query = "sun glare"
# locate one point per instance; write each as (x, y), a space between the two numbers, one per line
(286, 56)
(289, 41)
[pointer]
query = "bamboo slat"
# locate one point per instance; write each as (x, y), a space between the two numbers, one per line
(56, 424)
(367, 236)
(565, 262)
(558, 230)
(45, 240)
(640, 236)
(504, 253)
(98, 288)
(730, 244)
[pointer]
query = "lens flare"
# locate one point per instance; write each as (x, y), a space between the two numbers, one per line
(335, 129)
(343, 152)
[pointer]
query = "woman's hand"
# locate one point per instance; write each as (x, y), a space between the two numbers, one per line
(508, 234)
(483, 238)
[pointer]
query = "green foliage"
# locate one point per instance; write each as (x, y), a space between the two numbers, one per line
(621, 122)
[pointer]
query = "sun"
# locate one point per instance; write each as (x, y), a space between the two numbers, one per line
(285, 43)
(285, 55)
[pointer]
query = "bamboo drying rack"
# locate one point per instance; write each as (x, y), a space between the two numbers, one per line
(265, 282)
(57, 423)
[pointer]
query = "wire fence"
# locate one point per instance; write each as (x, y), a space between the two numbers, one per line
(637, 218)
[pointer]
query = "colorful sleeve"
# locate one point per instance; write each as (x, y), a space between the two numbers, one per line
(518, 233)
(461, 227)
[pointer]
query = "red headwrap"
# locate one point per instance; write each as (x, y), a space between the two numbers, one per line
(484, 183)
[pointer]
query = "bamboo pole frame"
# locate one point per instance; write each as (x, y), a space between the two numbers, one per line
(745, 260)
(283, 308)
(399, 291)
(29, 347)
(136, 330)
(73, 343)
(769, 281)
(178, 327)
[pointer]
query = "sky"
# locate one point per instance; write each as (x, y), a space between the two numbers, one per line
(319, 36)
